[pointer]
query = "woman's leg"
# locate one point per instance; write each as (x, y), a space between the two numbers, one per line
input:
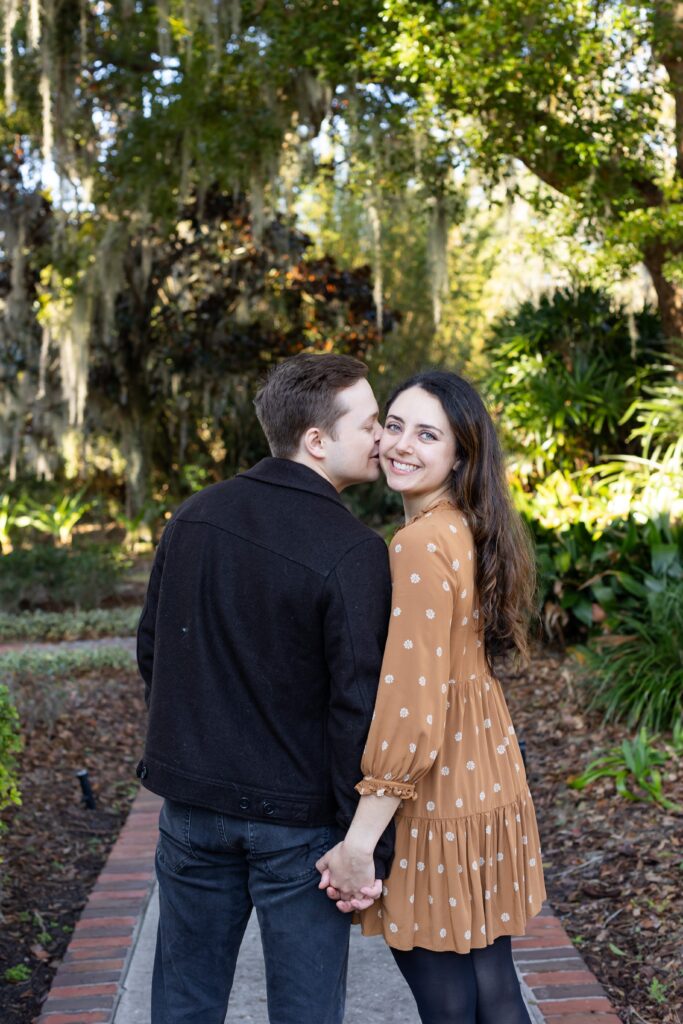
(443, 984)
(480, 987)
(499, 997)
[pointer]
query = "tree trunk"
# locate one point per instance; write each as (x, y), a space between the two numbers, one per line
(136, 450)
(669, 294)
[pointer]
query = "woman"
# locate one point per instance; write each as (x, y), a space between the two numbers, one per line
(442, 752)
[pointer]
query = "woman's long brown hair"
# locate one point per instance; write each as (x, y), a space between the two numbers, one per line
(505, 570)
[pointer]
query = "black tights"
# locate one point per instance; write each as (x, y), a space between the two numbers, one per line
(479, 987)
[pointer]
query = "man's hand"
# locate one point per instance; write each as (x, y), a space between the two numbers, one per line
(348, 875)
(365, 899)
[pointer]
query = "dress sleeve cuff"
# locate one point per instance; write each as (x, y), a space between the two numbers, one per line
(383, 787)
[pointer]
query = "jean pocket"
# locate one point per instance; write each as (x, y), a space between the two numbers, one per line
(286, 853)
(174, 849)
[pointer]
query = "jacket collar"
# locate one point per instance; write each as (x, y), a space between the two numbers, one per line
(287, 473)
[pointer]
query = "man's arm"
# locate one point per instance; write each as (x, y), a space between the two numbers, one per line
(147, 623)
(356, 620)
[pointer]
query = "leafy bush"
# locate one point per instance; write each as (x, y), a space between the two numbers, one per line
(635, 767)
(564, 373)
(10, 745)
(588, 583)
(38, 680)
(59, 518)
(47, 577)
(73, 625)
(636, 673)
(12, 518)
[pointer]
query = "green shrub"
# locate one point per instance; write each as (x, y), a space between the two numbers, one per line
(10, 745)
(564, 373)
(47, 577)
(71, 625)
(15, 975)
(635, 767)
(59, 518)
(636, 673)
(38, 680)
(588, 583)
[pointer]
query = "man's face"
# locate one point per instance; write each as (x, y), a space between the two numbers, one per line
(352, 456)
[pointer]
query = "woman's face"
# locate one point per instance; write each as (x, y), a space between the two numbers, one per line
(417, 448)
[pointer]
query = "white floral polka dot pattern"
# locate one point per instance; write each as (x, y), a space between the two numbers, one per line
(468, 861)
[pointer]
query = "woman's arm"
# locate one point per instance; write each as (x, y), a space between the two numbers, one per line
(410, 712)
(347, 869)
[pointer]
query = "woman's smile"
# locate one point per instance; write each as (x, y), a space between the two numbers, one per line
(402, 467)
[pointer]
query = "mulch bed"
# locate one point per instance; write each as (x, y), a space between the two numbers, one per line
(55, 848)
(613, 869)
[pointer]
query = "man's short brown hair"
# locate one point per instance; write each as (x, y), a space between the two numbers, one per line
(301, 392)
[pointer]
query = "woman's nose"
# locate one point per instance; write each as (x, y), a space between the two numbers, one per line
(403, 444)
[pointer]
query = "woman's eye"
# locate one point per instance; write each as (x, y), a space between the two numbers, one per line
(392, 426)
(427, 434)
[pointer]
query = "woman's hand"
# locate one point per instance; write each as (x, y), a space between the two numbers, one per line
(348, 875)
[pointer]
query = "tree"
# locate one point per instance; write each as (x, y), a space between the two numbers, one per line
(589, 96)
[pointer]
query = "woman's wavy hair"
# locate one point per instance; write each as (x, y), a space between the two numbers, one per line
(505, 569)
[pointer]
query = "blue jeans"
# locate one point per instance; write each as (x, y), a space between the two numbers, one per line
(212, 869)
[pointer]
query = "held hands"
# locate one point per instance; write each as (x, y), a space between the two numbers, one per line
(348, 876)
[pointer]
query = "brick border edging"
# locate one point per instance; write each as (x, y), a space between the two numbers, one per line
(87, 985)
(559, 987)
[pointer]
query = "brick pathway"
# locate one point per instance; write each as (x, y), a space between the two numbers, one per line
(558, 986)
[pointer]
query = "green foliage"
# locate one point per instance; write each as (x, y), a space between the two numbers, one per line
(635, 767)
(576, 91)
(658, 992)
(651, 481)
(72, 625)
(12, 518)
(15, 975)
(590, 582)
(58, 519)
(47, 577)
(39, 681)
(10, 745)
(636, 673)
(564, 375)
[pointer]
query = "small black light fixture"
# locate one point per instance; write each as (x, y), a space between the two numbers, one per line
(88, 797)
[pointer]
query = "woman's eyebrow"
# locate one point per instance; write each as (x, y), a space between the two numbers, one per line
(421, 426)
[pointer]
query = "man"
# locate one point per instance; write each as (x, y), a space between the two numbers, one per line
(260, 645)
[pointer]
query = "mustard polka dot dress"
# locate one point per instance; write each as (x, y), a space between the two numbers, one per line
(467, 866)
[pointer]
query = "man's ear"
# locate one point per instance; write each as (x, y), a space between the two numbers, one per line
(313, 442)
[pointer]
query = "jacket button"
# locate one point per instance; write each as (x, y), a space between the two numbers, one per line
(268, 807)
(244, 804)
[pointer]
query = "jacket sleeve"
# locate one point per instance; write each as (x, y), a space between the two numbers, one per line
(410, 715)
(147, 623)
(358, 596)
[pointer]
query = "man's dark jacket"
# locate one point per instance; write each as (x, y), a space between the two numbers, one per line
(260, 644)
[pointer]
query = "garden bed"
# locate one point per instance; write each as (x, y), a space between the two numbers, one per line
(613, 869)
(55, 848)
